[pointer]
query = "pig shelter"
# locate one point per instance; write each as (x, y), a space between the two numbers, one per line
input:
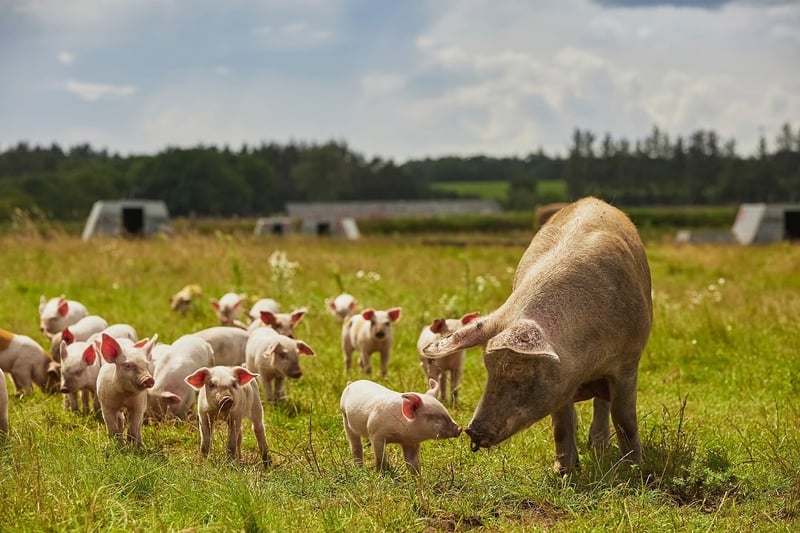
(126, 218)
(766, 223)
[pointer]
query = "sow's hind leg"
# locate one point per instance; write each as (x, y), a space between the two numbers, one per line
(623, 415)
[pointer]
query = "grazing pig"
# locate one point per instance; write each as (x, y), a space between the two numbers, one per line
(264, 304)
(342, 306)
(275, 357)
(283, 323)
(27, 363)
(573, 328)
(453, 363)
(228, 309)
(170, 394)
(79, 368)
(57, 313)
(229, 344)
(369, 332)
(79, 331)
(181, 301)
(229, 393)
(121, 385)
(371, 411)
(3, 406)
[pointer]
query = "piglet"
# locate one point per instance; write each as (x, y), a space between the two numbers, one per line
(228, 343)
(181, 301)
(27, 363)
(79, 368)
(229, 393)
(228, 309)
(371, 411)
(342, 306)
(79, 331)
(57, 313)
(369, 332)
(122, 383)
(170, 395)
(453, 363)
(264, 304)
(3, 406)
(283, 323)
(275, 357)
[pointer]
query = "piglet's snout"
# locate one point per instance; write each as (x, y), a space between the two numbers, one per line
(146, 381)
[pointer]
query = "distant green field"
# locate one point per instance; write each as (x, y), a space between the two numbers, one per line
(489, 190)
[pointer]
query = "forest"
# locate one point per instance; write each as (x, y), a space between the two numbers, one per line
(700, 169)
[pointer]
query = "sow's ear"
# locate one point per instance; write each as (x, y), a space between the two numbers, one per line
(477, 332)
(524, 337)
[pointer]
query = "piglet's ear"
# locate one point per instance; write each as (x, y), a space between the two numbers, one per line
(198, 378)
(411, 404)
(352, 305)
(243, 376)
(63, 307)
(268, 318)
(298, 315)
(394, 314)
(89, 355)
(62, 350)
(215, 304)
(368, 314)
(304, 348)
(109, 348)
(331, 305)
(67, 336)
(438, 325)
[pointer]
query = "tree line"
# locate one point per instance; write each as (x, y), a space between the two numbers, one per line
(701, 169)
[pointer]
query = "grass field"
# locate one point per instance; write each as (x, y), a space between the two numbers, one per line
(718, 398)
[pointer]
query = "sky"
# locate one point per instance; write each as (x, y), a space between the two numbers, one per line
(394, 79)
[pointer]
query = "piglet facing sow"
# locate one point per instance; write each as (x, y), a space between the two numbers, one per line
(371, 411)
(573, 328)
(230, 394)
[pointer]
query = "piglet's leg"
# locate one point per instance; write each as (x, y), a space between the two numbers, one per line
(411, 455)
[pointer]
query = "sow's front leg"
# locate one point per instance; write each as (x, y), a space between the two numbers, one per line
(565, 420)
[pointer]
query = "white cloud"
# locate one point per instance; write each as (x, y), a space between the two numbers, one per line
(66, 58)
(92, 92)
(382, 83)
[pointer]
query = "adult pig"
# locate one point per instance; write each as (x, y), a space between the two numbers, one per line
(573, 328)
(451, 364)
(229, 344)
(27, 363)
(369, 332)
(121, 386)
(275, 358)
(371, 411)
(229, 393)
(57, 313)
(170, 394)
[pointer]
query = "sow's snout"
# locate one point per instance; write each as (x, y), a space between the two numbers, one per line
(478, 438)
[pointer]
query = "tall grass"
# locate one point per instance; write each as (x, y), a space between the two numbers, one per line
(718, 390)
